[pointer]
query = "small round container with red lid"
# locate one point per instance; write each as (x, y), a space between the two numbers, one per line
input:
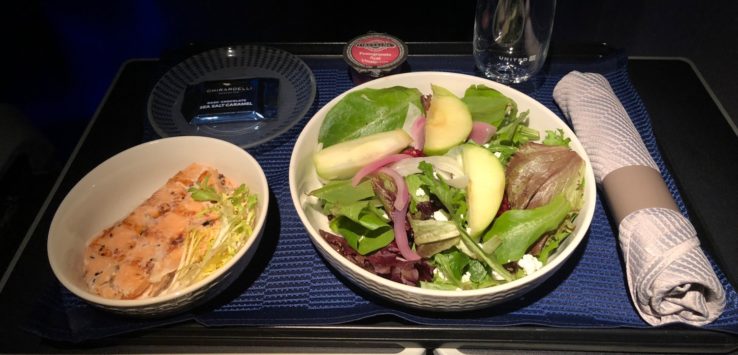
(374, 55)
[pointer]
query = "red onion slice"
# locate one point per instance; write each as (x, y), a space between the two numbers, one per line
(398, 215)
(482, 132)
(402, 196)
(399, 221)
(373, 166)
(417, 132)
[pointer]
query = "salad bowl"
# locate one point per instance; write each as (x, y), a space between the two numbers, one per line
(118, 185)
(304, 179)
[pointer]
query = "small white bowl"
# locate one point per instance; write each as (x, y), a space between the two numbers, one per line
(117, 186)
(303, 179)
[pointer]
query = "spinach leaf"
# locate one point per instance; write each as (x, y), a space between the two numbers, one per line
(360, 212)
(487, 104)
(362, 239)
(366, 112)
(356, 214)
(519, 229)
(342, 192)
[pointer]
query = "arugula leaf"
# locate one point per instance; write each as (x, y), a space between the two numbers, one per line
(368, 111)
(452, 198)
(506, 152)
(414, 183)
(514, 131)
(480, 253)
(556, 138)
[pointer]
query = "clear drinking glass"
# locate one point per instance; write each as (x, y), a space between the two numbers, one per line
(511, 38)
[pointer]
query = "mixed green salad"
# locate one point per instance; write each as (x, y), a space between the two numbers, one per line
(444, 192)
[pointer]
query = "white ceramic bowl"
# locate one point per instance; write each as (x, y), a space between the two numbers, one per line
(117, 186)
(303, 179)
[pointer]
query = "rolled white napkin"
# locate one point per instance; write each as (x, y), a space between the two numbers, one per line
(669, 278)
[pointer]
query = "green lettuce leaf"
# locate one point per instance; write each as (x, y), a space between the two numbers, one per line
(431, 230)
(366, 112)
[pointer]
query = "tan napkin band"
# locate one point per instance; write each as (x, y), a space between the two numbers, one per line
(631, 188)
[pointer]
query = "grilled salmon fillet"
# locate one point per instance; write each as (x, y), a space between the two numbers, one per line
(138, 256)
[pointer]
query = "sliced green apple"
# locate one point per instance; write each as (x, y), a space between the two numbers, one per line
(343, 160)
(448, 122)
(485, 189)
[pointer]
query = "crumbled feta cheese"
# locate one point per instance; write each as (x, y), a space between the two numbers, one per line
(419, 192)
(439, 216)
(439, 274)
(497, 276)
(530, 264)
(498, 154)
(486, 145)
(466, 277)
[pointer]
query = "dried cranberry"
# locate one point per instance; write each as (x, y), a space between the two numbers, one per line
(413, 152)
(504, 205)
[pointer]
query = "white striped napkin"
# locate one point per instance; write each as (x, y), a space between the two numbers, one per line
(669, 278)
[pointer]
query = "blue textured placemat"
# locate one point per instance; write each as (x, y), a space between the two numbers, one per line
(290, 284)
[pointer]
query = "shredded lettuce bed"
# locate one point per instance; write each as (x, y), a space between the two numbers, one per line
(210, 247)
